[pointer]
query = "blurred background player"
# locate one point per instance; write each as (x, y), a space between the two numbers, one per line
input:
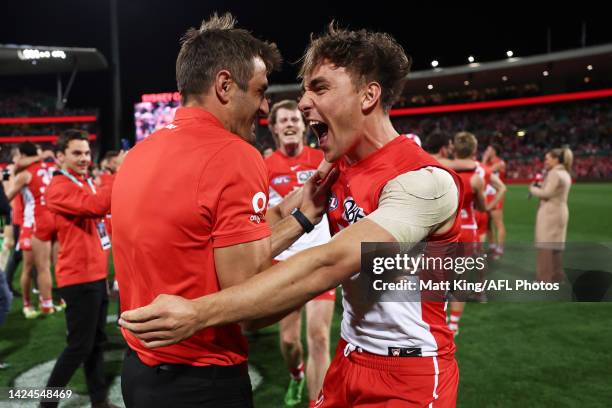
(288, 168)
(10, 256)
(440, 145)
(6, 296)
(32, 183)
(553, 214)
(497, 234)
(465, 147)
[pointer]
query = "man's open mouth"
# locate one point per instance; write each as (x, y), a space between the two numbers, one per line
(320, 129)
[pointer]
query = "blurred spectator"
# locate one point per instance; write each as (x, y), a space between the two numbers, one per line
(528, 133)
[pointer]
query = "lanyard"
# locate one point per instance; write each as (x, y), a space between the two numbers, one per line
(77, 182)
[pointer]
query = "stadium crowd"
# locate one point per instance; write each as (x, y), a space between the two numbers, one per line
(526, 134)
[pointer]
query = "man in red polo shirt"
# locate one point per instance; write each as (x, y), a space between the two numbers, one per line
(79, 208)
(189, 217)
(393, 354)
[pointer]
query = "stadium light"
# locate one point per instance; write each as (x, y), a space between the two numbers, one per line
(430, 87)
(434, 63)
(509, 53)
(590, 67)
(587, 80)
(471, 59)
(504, 78)
(521, 133)
(466, 82)
(545, 73)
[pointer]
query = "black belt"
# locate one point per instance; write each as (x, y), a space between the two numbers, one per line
(210, 372)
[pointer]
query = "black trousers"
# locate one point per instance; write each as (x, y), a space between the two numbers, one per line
(86, 309)
(184, 386)
(14, 259)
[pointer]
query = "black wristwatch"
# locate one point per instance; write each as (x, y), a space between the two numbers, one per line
(301, 218)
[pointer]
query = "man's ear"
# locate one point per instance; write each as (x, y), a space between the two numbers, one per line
(224, 84)
(371, 96)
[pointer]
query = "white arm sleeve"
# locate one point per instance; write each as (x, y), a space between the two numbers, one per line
(414, 203)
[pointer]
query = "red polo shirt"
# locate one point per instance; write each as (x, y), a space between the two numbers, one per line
(187, 189)
(77, 211)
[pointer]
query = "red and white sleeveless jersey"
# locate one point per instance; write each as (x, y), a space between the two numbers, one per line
(468, 214)
(33, 193)
(286, 174)
(500, 173)
(485, 172)
(378, 326)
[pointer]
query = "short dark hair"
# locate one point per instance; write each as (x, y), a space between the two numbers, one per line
(218, 45)
(69, 135)
(110, 154)
(436, 140)
(28, 149)
(498, 148)
(366, 55)
(288, 104)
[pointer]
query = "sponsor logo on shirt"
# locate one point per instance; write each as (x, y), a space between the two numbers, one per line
(352, 212)
(281, 180)
(303, 176)
(259, 201)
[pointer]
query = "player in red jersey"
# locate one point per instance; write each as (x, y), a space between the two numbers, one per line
(38, 225)
(288, 169)
(473, 178)
(493, 186)
(497, 236)
(391, 354)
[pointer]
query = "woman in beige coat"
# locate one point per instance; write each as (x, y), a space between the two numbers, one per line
(553, 215)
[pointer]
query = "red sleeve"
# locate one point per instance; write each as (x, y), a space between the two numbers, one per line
(65, 197)
(106, 179)
(233, 195)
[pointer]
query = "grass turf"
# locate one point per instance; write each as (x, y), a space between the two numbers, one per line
(510, 354)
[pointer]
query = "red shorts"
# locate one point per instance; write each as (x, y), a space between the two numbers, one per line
(327, 295)
(482, 220)
(498, 206)
(469, 243)
(25, 238)
(44, 226)
(363, 380)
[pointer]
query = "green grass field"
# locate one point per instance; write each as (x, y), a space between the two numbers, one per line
(510, 354)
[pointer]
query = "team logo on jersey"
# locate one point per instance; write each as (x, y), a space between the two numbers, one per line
(303, 176)
(333, 202)
(352, 212)
(404, 352)
(259, 201)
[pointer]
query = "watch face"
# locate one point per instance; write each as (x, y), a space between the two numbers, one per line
(294, 211)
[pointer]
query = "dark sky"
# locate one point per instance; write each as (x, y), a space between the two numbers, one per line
(149, 32)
